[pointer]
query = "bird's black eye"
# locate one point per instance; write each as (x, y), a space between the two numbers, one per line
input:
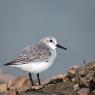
(51, 41)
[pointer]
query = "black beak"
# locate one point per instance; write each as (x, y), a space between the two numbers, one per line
(59, 46)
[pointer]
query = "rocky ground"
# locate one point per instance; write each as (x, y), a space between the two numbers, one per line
(79, 80)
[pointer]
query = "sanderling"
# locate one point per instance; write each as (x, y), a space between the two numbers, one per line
(37, 58)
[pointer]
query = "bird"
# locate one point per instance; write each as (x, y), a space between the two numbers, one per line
(38, 57)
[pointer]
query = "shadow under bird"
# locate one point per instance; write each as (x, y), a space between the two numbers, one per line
(37, 58)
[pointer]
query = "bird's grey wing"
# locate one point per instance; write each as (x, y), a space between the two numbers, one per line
(37, 53)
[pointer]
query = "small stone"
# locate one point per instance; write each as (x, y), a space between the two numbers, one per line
(3, 87)
(73, 70)
(84, 91)
(20, 84)
(12, 92)
(76, 86)
(37, 87)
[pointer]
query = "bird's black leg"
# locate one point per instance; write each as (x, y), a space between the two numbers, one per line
(38, 78)
(30, 76)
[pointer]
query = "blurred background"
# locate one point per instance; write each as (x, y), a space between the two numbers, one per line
(24, 22)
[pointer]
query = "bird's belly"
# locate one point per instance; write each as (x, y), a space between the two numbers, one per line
(36, 67)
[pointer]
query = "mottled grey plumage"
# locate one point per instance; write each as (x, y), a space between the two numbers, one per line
(36, 53)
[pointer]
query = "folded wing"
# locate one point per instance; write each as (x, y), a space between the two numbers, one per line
(37, 53)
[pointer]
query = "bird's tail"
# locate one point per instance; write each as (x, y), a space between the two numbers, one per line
(9, 63)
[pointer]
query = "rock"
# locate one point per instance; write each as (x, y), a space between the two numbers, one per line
(3, 87)
(12, 92)
(20, 84)
(59, 78)
(72, 72)
(58, 89)
(84, 91)
(76, 87)
(86, 68)
(93, 92)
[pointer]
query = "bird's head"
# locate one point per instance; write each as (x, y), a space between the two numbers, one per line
(52, 42)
